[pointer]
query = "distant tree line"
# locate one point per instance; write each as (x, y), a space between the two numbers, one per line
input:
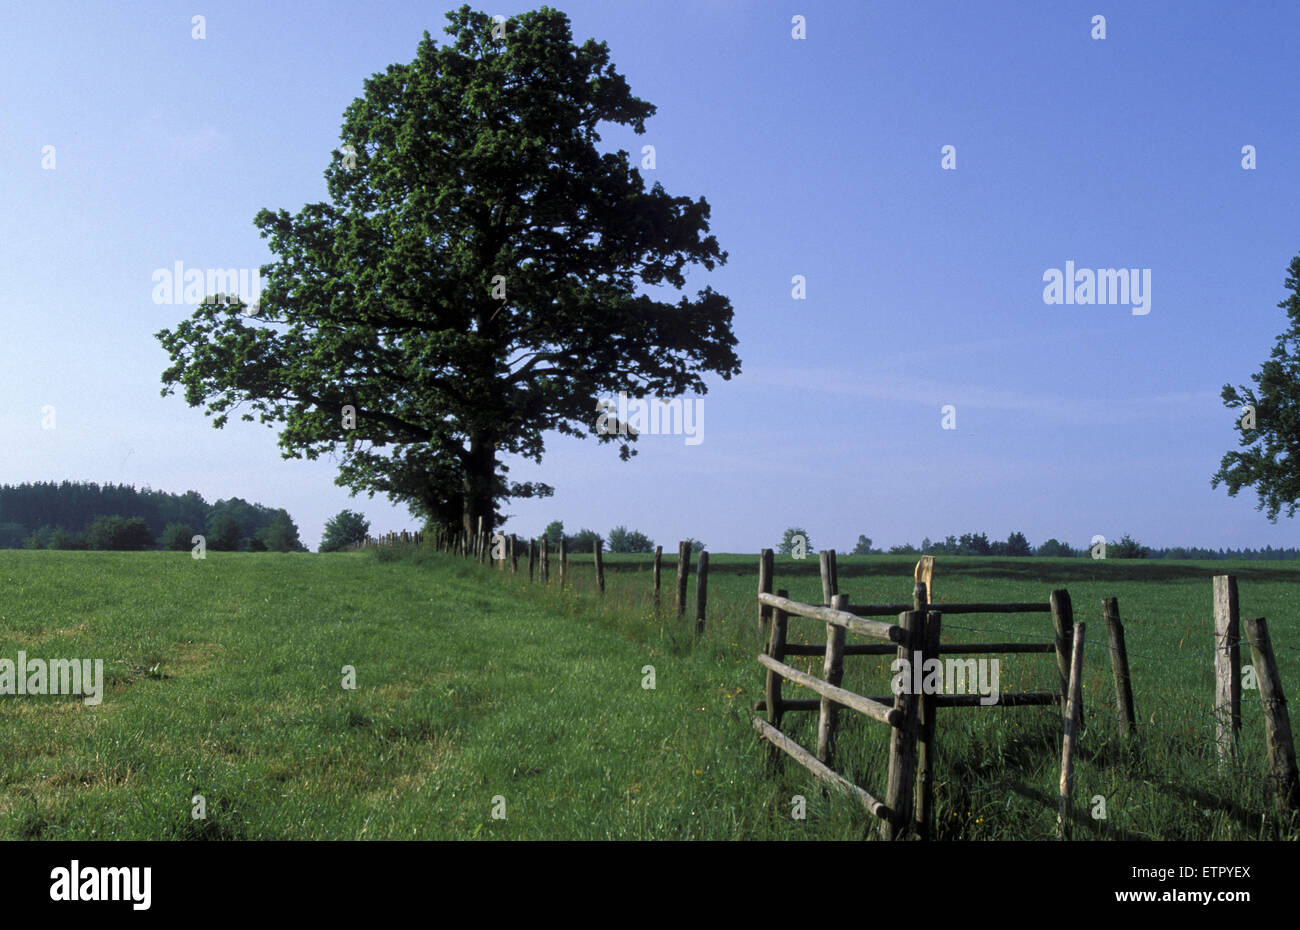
(1016, 545)
(86, 515)
(619, 539)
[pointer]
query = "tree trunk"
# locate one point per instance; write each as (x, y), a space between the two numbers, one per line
(480, 477)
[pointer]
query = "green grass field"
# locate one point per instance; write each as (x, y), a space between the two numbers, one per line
(476, 691)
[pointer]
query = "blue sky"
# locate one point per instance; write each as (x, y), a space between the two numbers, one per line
(819, 157)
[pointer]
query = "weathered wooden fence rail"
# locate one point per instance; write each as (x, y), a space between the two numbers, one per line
(908, 806)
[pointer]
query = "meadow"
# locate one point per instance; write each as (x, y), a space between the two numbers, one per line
(480, 693)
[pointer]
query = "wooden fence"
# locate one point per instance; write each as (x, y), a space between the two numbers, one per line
(405, 537)
(504, 552)
(917, 630)
(1228, 627)
(908, 805)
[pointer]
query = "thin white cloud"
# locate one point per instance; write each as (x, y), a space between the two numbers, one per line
(176, 140)
(905, 389)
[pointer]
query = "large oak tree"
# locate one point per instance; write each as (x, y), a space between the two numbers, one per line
(477, 278)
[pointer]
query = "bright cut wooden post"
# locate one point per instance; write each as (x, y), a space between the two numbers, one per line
(1063, 625)
(683, 570)
(1073, 714)
(600, 564)
(701, 591)
(532, 558)
(924, 572)
(902, 738)
(658, 570)
(927, 749)
(564, 563)
(1277, 719)
(1227, 666)
(828, 723)
(776, 649)
(765, 567)
(1119, 665)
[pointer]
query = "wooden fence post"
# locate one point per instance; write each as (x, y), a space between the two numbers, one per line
(514, 554)
(1227, 666)
(928, 750)
(828, 579)
(923, 573)
(564, 563)
(683, 570)
(902, 738)
(1063, 625)
(701, 591)
(546, 559)
(1277, 719)
(1119, 665)
(658, 569)
(1073, 714)
(599, 549)
(532, 559)
(765, 566)
(828, 723)
(776, 649)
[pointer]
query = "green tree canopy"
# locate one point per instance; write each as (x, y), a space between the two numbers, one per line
(1055, 549)
(177, 536)
(582, 541)
(281, 535)
(788, 539)
(1126, 548)
(1268, 420)
(114, 532)
(621, 539)
(1018, 545)
(473, 281)
(345, 528)
(224, 532)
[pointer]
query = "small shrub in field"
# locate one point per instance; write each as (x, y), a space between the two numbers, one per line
(621, 539)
